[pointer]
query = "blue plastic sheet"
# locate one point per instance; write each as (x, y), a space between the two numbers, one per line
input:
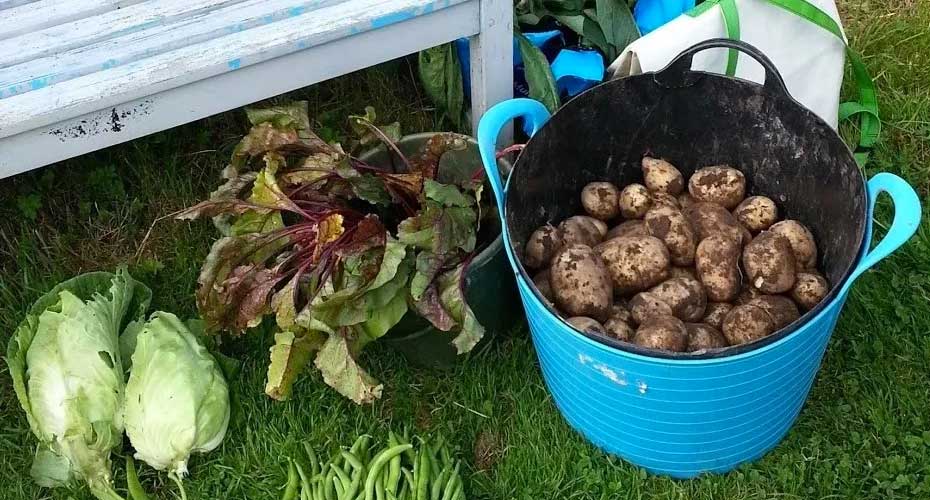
(651, 14)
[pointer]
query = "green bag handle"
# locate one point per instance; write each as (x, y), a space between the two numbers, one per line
(866, 108)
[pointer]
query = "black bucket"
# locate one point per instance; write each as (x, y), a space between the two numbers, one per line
(694, 119)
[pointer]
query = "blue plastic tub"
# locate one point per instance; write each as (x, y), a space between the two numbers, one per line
(683, 415)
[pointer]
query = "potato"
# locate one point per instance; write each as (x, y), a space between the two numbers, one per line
(580, 230)
(664, 200)
(722, 185)
(580, 283)
(620, 312)
(685, 200)
(781, 309)
(661, 176)
(667, 333)
(756, 213)
(619, 330)
(809, 289)
(585, 324)
(685, 296)
(801, 240)
(710, 218)
(717, 263)
(715, 312)
(635, 263)
(746, 323)
(769, 263)
(646, 305)
(682, 272)
(599, 224)
(542, 245)
(669, 225)
(635, 200)
(701, 337)
(628, 228)
(601, 200)
(541, 280)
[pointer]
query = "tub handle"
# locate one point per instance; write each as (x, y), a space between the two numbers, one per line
(489, 129)
(903, 226)
(678, 73)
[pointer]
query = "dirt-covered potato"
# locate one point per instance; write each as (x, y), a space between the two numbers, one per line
(809, 289)
(715, 312)
(756, 213)
(667, 333)
(685, 200)
(664, 200)
(601, 200)
(781, 309)
(635, 263)
(542, 245)
(686, 297)
(620, 312)
(801, 240)
(628, 228)
(746, 323)
(541, 280)
(635, 200)
(722, 185)
(669, 225)
(580, 230)
(586, 324)
(682, 272)
(598, 223)
(769, 263)
(701, 336)
(661, 176)
(580, 283)
(710, 218)
(619, 329)
(645, 305)
(717, 263)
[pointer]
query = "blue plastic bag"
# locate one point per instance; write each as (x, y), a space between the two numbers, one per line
(651, 14)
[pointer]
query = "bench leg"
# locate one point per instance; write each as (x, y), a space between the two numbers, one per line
(492, 61)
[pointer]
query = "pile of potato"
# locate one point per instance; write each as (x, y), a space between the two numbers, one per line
(677, 269)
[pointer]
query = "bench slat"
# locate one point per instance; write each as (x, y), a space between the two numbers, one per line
(173, 69)
(84, 31)
(24, 17)
(108, 53)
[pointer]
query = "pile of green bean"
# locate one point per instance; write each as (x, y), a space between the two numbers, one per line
(399, 471)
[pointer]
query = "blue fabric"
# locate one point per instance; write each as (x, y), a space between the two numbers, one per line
(577, 70)
(463, 49)
(651, 14)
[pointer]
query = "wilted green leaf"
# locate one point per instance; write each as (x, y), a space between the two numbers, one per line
(293, 115)
(452, 297)
(538, 74)
(341, 371)
(446, 194)
(289, 355)
(370, 134)
(617, 25)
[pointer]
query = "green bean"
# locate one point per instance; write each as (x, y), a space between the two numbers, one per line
(391, 496)
(446, 456)
(393, 475)
(438, 482)
(354, 486)
(405, 439)
(314, 461)
(305, 486)
(422, 480)
(132, 481)
(377, 464)
(459, 491)
(379, 487)
(360, 447)
(408, 480)
(293, 481)
(340, 490)
(342, 476)
(329, 492)
(454, 479)
(353, 460)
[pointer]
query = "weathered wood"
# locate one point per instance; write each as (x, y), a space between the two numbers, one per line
(31, 17)
(151, 113)
(492, 59)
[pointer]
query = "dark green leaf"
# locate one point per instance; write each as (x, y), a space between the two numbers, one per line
(428, 266)
(452, 297)
(617, 25)
(538, 74)
(446, 194)
(441, 75)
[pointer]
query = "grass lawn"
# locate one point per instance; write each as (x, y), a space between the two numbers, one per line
(864, 433)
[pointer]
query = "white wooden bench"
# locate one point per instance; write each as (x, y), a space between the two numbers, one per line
(81, 75)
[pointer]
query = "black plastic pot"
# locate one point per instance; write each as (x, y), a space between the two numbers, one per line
(489, 284)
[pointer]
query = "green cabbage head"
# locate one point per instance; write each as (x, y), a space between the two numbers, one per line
(177, 402)
(67, 372)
